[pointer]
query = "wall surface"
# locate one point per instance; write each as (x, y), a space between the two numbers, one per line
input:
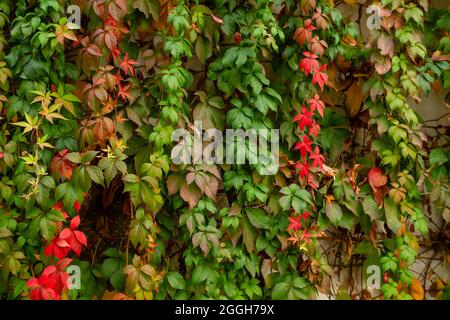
(433, 110)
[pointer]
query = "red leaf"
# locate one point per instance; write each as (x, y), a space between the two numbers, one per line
(316, 104)
(58, 248)
(111, 22)
(61, 166)
(314, 129)
(115, 52)
(304, 146)
(303, 34)
(65, 234)
(304, 118)
(63, 263)
(318, 159)
(123, 92)
(76, 239)
(305, 215)
(75, 222)
(48, 270)
(127, 65)
(320, 77)
(237, 37)
(308, 25)
(295, 223)
(104, 128)
(54, 278)
(76, 246)
(377, 178)
(81, 237)
(378, 181)
(306, 236)
(33, 282)
(77, 206)
(39, 291)
(49, 294)
(304, 169)
(309, 63)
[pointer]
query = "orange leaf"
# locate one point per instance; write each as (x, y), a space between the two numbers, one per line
(417, 291)
(378, 180)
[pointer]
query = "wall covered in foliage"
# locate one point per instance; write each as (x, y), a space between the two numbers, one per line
(92, 205)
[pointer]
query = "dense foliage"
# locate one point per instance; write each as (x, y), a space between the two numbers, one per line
(86, 120)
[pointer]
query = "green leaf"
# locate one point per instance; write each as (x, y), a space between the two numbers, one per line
(264, 102)
(255, 84)
(148, 7)
(371, 208)
(437, 157)
(364, 247)
(110, 266)
(258, 218)
(176, 280)
(392, 212)
(47, 228)
(138, 233)
(388, 263)
(334, 212)
(203, 49)
(203, 273)
(389, 291)
(299, 282)
(414, 13)
(397, 133)
(230, 56)
(96, 174)
(298, 203)
(280, 291)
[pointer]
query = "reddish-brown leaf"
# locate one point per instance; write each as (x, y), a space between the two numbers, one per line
(174, 184)
(386, 45)
(354, 99)
(191, 194)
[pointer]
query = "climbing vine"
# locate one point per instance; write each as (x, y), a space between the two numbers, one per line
(90, 113)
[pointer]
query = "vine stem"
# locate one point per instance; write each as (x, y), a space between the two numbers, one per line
(128, 236)
(95, 251)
